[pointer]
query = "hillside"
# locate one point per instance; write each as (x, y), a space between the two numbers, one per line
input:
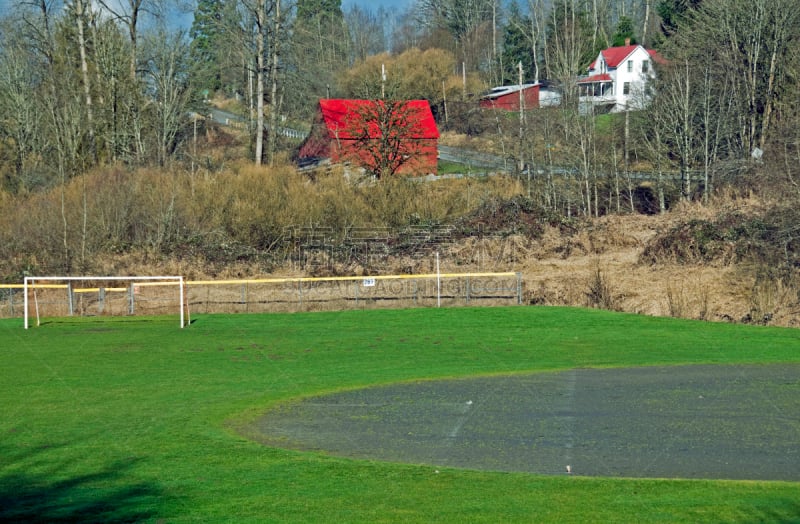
(606, 263)
(602, 267)
(733, 260)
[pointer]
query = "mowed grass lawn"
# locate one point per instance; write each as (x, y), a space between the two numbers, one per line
(135, 420)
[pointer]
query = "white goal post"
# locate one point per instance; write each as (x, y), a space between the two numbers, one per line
(64, 282)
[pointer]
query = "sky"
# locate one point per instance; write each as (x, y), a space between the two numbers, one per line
(400, 5)
(6, 6)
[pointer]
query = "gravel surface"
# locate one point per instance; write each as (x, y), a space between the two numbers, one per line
(716, 422)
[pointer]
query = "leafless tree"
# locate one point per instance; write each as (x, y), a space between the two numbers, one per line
(165, 70)
(129, 15)
(569, 47)
(19, 124)
(754, 39)
(257, 9)
(366, 32)
(468, 21)
(266, 32)
(387, 133)
(80, 14)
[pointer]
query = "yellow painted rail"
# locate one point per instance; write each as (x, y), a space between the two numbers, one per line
(275, 280)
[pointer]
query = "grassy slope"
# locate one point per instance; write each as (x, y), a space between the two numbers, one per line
(133, 420)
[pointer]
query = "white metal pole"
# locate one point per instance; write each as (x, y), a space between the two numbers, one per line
(438, 283)
(25, 300)
(180, 283)
(36, 303)
(188, 312)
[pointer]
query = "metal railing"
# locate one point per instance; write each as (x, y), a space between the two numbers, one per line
(267, 295)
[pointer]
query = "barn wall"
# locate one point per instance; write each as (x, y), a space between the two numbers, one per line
(510, 102)
(425, 159)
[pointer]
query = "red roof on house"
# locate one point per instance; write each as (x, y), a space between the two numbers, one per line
(339, 116)
(656, 56)
(595, 78)
(614, 56)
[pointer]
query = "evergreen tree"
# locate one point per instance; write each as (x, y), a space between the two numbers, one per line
(569, 46)
(673, 13)
(319, 52)
(516, 47)
(207, 37)
(311, 9)
(624, 32)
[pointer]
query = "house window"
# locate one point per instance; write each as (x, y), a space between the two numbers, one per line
(630, 66)
(626, 88)
(645, 66)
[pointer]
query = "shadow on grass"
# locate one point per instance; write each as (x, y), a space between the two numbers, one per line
(66, 492)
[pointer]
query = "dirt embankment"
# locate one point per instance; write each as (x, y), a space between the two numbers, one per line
(601, 265)
(596, 264)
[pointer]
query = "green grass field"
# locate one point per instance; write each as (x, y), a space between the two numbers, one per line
(136, 419)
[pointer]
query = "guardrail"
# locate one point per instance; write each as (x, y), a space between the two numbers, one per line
(508, 164)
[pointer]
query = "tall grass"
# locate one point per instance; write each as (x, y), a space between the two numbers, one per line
(236, 213)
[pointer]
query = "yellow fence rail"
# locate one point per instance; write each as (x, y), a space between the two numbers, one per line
(276, 294)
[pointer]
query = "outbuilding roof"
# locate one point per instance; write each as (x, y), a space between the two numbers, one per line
(605, 77)
(497, 92)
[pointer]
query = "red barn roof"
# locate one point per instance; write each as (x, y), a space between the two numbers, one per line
(350, 131)
(339, 115)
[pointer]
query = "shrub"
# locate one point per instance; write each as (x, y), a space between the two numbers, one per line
(771, 237)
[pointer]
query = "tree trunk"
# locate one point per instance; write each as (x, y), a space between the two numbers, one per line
(261, 25)
(79, 14)
(273, 98)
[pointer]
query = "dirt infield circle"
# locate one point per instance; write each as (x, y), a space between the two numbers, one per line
(715, 422)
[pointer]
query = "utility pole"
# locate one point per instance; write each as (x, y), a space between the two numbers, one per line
(521, 98)
(444, 101)
(521, 120)
(383, 82)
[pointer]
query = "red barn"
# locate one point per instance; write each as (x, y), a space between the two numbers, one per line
(507, 97)
(383, 137)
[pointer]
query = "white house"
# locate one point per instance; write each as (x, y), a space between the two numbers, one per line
(618, 78)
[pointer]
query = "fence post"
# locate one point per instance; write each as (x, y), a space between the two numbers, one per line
(70, 299)
(101, 297)
(300, 292)
(131, 299)
(519, 288)
(467, 291)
